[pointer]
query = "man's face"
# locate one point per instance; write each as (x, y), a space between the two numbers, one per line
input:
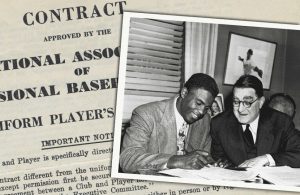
(243, 114)
(194, 104)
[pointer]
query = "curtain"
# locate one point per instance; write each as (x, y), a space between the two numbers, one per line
(200, 48)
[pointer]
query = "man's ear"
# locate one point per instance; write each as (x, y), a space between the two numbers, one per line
(261, 101)
(183, 92)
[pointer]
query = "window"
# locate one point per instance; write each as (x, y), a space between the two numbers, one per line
(154, 60)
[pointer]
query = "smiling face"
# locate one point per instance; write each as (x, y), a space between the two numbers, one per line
(193, 105)
(247, 115)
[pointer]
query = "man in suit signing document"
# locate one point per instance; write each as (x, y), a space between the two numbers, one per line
(172, 133)
(253, 135)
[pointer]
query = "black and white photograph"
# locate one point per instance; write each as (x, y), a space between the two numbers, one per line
(208, 101)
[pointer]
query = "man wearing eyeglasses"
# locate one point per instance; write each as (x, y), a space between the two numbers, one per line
(253, 135)
(172, 133)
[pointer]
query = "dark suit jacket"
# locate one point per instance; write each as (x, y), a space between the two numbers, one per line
(151, 139)
(276, 135)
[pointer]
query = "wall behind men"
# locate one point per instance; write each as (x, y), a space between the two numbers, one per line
(292, 72)
(273, 35)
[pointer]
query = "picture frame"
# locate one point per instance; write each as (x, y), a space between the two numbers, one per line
(249, 55)
(217, 106)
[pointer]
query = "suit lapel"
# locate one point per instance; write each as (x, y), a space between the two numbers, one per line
(265, 137)
(167, 132)
(198, 134)
(191, 140)
(235, 140)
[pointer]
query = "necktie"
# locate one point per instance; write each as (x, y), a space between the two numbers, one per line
(248, 135)
(181, 139)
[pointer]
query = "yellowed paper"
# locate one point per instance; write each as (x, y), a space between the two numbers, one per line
(58, 81)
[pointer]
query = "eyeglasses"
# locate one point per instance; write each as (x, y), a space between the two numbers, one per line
(246, 104)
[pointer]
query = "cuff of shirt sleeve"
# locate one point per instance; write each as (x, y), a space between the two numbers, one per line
(271, 160)
(165, 166)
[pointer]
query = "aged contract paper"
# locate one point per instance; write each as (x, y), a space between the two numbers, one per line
(93, 178)
(58, 80)
(43, 117)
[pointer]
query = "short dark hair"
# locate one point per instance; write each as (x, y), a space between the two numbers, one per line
(204, 81)
(249, 81)
(285, 100)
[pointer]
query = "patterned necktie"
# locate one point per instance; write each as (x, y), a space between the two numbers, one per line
(248, 135)
(181, 139)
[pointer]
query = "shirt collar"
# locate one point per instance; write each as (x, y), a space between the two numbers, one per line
(178, 118)
(253, 125)
(253, 128)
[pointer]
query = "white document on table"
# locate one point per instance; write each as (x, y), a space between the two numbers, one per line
(213, 173)
(283, 175)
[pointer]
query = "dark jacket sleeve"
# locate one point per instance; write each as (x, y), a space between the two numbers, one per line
(289, 148)
(217, 150)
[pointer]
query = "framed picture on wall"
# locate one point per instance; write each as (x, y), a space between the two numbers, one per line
(217, 106)
(249, 55)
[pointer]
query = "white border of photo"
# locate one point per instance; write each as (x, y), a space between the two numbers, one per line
(120, 102)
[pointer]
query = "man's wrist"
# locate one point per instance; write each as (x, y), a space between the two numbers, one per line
(173, 162)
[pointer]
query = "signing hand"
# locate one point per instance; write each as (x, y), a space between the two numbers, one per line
(259, 161)
(222, 163)
(193, 160)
